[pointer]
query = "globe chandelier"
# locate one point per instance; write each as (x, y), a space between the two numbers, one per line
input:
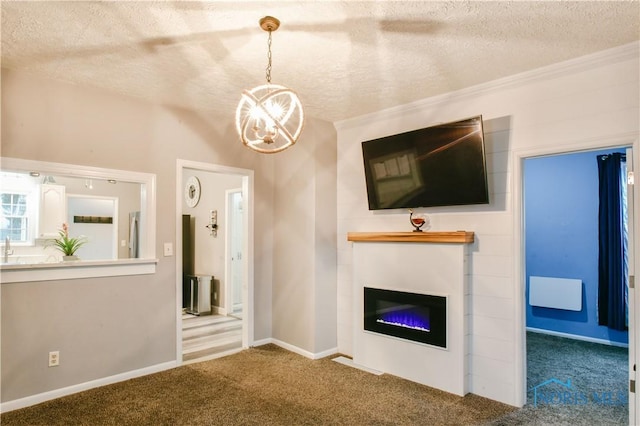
(269, 117)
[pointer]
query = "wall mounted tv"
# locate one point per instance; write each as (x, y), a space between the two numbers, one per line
(442, 165)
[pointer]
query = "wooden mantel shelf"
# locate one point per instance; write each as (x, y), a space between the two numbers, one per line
(460, 237)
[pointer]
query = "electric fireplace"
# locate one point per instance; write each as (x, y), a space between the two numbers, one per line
(411, 316)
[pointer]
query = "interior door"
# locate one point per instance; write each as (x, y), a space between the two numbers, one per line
(235, 235)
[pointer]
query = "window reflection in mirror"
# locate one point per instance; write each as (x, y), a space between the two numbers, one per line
(112, 210)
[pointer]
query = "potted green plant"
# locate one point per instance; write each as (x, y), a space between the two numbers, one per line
(68, 245)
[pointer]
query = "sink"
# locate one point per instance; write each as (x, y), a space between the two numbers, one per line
(15, 260)
(23, 259)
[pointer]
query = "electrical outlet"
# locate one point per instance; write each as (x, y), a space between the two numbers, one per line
(54, 358)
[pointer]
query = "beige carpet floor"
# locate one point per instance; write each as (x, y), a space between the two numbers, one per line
(266, 385)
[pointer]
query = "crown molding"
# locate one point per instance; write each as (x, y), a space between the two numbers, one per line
(622, 53)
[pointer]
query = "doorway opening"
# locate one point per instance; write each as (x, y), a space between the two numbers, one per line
(560, 252)
(211, 331)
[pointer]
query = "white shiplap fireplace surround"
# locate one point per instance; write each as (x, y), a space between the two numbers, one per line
(434, 263)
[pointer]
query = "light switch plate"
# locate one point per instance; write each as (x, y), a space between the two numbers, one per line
(168, 249)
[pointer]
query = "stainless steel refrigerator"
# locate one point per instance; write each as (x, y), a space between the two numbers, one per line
(134, 234)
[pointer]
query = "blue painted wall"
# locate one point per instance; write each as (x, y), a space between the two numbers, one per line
(561, 238)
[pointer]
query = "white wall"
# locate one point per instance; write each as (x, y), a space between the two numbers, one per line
(101, 237)
(581, 104)
(421, 268)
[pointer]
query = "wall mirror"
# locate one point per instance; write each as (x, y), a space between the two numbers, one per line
(114, 210)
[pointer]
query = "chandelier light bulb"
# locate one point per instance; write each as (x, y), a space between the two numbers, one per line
(269, 118)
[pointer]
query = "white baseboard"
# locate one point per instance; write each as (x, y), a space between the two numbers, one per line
(57, 393)
(326, 353)
(577, 337)
(262, 342)
(296, 349)
(214, 356)
(349, 362)
(218, 310)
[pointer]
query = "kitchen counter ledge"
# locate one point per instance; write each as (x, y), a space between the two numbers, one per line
(27, 272)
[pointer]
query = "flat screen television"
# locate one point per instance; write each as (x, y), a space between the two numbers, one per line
(442, 165)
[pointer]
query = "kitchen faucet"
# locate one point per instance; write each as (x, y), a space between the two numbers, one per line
(7, 249)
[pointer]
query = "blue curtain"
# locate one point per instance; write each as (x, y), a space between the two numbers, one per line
(612, 254)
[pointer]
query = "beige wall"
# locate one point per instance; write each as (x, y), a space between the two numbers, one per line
(103, 327)
(210, 251)
(325, 241)
(304, 291)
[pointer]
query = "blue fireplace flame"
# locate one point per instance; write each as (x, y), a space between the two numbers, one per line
(407, 316)
(414, 317)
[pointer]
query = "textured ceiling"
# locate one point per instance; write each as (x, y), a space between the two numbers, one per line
(344, 58)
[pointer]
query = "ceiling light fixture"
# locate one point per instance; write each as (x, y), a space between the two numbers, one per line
(269, 118)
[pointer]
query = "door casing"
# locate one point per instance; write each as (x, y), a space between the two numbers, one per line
(247, 245)
(518, 157)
